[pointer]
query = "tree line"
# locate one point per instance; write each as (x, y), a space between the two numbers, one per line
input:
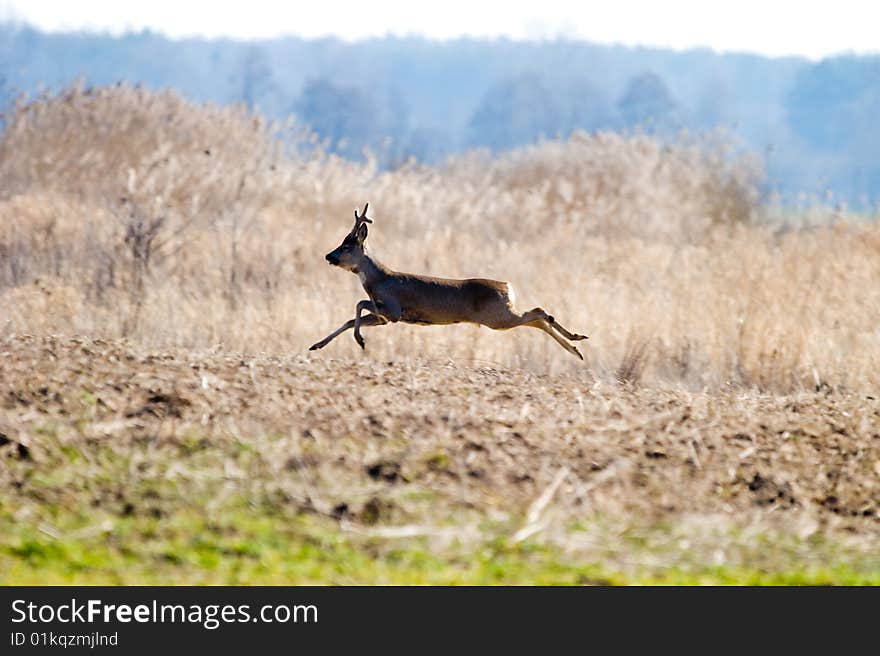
(813, 123)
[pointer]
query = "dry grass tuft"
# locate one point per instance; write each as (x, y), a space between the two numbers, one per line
(635, 359)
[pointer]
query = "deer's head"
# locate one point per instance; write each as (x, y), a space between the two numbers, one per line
(350, 253)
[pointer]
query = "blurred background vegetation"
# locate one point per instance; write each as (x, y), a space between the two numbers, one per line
(813, 124)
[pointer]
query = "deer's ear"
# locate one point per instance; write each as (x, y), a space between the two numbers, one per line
(362, 232)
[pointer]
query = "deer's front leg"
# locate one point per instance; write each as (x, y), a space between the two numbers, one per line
(369, 320)
(363, 305)
(384, 312)
(375, 309)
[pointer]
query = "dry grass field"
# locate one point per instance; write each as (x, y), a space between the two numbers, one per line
(162, 275)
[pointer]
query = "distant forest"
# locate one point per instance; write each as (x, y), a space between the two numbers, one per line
(815, 126)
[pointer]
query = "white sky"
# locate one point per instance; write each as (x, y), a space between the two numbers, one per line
(772, 27)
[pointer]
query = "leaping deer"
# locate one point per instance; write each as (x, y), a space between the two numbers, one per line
(424, 300)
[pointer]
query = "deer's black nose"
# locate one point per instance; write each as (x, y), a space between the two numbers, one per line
(332, 258)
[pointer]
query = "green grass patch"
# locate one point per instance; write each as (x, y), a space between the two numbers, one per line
(156, 506)
(240, 546)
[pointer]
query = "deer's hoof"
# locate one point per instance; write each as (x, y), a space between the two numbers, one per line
(315, 347)
(360, 341)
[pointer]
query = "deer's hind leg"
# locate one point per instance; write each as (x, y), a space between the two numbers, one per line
(538, 313)
(507, 319)
(547, 328)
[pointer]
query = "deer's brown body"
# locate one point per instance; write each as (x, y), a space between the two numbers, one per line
(426, 300)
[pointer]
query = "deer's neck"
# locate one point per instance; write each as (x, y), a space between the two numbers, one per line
(372, 271)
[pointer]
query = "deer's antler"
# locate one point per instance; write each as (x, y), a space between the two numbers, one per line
(362, 218)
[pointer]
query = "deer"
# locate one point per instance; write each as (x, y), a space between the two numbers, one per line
(425, 300)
